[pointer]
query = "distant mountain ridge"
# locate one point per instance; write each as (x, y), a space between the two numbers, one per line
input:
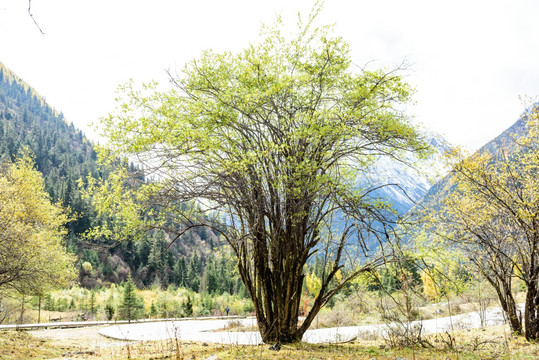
(412, 178)
(505, 142)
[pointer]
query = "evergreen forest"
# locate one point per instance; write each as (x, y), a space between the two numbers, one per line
(63, 155)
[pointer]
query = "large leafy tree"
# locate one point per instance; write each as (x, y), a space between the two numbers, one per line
(492, 215)
(277, 141)
(33, 257)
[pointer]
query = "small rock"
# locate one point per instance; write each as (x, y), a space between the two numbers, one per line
(275, 347)
(213, 357)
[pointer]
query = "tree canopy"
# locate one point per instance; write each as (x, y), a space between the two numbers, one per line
(492, 216)
(276, 143)
(33, 257)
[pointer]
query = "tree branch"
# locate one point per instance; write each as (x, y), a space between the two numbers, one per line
(32, 16)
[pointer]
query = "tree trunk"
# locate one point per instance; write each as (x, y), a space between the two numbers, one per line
(531, 321)
(274, 280)
(22, 310)
(277, 313)
(39, 310)
(502, 285)
(510, 307)
(515, 320)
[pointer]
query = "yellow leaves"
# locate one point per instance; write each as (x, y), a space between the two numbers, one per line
(338, 276)
(491, 208)
(87, 267)
(313, 283)
(117, 201)
(32, 254)
(430, 288)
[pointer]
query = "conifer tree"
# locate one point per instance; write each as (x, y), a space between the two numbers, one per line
(92, 302)
(180, 272)
(132, 306)
(109, 309)
(193, 274)
(187, 307)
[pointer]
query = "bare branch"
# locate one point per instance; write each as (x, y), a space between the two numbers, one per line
(32, 16)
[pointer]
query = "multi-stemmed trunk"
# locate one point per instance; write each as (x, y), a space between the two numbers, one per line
(531, 309)
(500, 278)
(509, 306)
(274, 278)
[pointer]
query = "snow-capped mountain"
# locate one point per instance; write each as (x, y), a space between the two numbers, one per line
(411, 179)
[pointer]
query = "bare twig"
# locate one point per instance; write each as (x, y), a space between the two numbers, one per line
(32, 16)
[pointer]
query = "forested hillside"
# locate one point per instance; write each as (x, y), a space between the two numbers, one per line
(64, 155)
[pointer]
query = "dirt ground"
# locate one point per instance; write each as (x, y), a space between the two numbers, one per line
(85, 337)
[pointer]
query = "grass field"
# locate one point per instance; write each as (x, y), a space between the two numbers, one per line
(86, 343)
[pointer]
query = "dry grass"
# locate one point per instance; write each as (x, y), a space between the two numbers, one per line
(18, 345)
(491, 343)
(237, 326)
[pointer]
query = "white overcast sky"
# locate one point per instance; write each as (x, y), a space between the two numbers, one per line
(470, 59)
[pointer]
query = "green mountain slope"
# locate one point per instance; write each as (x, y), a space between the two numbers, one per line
(63, 155)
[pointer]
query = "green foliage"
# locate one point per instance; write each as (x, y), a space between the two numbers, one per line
(110, 310)
(153, 310)
(208, 304)
(87, 267)
(187, 307)
(221, 275)
(49, 303)
(132, 306)
(91, 303)
(193, 273)
(180, 272)
(273, 140)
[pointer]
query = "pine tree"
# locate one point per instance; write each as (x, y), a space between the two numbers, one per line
(132, 306)
(187, 307)
(193, 274)
(211, 276)
(153, 310)
(180, 272)
(109, 309)
(92, 302)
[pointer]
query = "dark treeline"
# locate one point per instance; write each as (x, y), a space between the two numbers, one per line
(190, 263)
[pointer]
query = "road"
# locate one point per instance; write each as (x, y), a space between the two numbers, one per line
(204, 330)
